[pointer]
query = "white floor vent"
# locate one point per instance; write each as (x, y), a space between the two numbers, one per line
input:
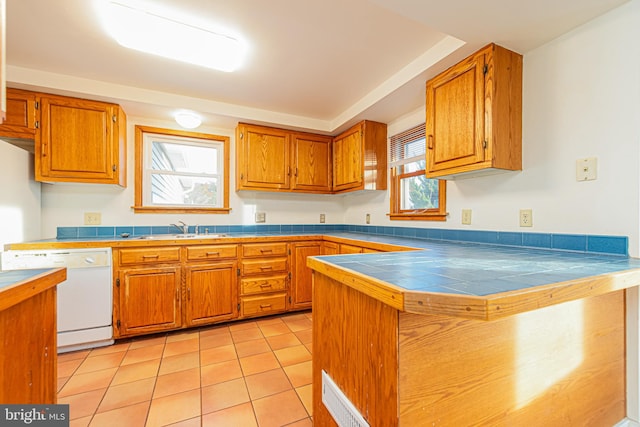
(340, 408)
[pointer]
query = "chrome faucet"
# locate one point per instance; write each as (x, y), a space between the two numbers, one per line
(184, 228)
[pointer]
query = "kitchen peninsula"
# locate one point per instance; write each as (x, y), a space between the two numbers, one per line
(466, 334)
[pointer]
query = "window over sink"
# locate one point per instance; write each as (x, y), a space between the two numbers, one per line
(180, 171)
(413, 195)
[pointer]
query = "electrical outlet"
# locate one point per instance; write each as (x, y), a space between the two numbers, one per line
(92, 218)
(587, 169)
(526, 218)
(322, 218)
(466, 216)
(368, 219)
(261, 217)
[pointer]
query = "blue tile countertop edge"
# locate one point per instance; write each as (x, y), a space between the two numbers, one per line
(595, 244)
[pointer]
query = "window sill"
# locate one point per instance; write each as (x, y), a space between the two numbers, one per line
(166, 209)
(410, 216)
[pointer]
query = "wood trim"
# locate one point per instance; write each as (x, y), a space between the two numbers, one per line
(139, 207)
(149, 210)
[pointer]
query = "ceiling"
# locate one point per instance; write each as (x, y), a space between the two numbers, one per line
(316, 65)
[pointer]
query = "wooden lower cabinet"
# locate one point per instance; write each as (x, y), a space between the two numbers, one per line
(149, 300)
(264, 276)
(212, 292)
(301, 277)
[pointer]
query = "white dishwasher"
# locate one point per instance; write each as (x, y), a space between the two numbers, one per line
(85, 299)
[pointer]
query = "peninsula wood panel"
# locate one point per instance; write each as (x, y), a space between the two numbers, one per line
(28, 359)
(354, 341)
(560, 365)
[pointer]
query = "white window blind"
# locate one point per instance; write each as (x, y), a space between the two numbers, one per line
(407, 147)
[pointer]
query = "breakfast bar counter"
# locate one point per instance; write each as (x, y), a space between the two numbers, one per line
(471, 334)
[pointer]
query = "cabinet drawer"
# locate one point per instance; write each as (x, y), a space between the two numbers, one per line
(264, 249)
(263, 284)
(251, 306)
(263, 266)
(195, 253)
(149, 255)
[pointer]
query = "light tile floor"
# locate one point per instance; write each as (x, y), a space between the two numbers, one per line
(246, 373)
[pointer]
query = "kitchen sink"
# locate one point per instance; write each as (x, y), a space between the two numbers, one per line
(181, 236)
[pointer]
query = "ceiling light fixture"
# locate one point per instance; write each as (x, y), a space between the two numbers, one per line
(187, 119)
(136, 26)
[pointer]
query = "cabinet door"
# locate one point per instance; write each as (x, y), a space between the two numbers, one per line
(212, 293)
(78, 141)
(455, 116)
(149, 300)
(301, 277)
(347, 159)
(263, 155)
(21, 120)
(330, 248)
(312, 160)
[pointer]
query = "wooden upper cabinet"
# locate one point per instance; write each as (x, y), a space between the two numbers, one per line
(360, 158)
(311, 162)
(22, 118)
(474, 115)
(272, 159)
(262, 158)
(81, 141)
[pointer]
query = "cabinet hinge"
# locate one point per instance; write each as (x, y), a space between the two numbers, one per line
(37, 124)
(238, 306)
(238, 272)
(241, 135)
(114, 168)
(289, 299)
(484, 144)
(289, 275)
(114, 118)
(118, 323)
(485, 69)
(118, 282)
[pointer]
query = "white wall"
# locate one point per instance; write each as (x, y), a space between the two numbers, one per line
(581, 98)
(19, 196)
(63, 205)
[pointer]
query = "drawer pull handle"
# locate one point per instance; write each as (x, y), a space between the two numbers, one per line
(150, 256)
(265, 285)
(266, 250)
(213, 253)
(265, 305)
(266, 267)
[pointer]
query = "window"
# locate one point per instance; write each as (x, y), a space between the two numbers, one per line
(413, 196)
(182, 172)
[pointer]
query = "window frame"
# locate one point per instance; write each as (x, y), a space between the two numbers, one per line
(140, 174)
(395, 193)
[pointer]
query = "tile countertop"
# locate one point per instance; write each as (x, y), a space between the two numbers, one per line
(19, 285)
(471, 280)
(476, 280)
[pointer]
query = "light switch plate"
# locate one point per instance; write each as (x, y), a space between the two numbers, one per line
(466, 216)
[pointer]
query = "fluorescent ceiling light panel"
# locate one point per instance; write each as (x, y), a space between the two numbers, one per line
(136, 26)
